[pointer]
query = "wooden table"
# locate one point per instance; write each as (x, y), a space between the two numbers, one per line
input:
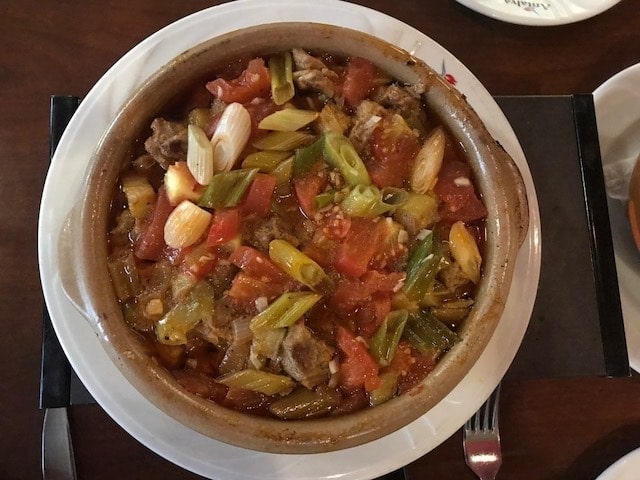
(551, 428)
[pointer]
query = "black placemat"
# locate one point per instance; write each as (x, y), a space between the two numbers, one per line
(576, 327)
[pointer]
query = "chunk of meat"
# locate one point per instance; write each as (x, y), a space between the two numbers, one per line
(259, 234)
(168, 142)
(303, 61)
(304, 357)
(399, 99)
(321, 81)
(368, 115)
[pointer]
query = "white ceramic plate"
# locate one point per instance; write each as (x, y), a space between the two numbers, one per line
(626, 468)
(138, 416)
(539, 12)
(617, 103)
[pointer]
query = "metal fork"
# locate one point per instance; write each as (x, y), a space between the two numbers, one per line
(481, 439)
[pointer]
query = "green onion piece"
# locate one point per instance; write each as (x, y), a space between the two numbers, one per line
(428, 334)
(385, 341)
(323, 199)
(288, 120)
(264, 161)
(386, 390)
(394, 197)
(422, 267)
(281, 71)
(297, 265)
(285, 310)
(227, 188)
(340, 153)
(199, 306)
(307, 157)
(258, 381)
(304, 403)
(283, 171)
(364, 201)
(419, 211)
(283, 141)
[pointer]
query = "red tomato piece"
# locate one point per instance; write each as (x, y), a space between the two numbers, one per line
(358, 369)
(393, 152)
(199, 261)
(259, 108)
(457, 193)
(258, 197)
(245, 290)
(334, 225)
(358, 80)
(352, 294)
(253, 82)
(372, 313)
(257, 265)
(224, 226)
(353, 255)
(307, 187)
(151, 244)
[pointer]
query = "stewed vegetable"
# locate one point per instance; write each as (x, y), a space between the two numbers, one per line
(303, 240)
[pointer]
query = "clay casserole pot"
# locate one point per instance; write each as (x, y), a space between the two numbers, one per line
(84, 257)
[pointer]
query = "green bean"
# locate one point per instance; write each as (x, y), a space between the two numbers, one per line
(285, 310)
(227, 188)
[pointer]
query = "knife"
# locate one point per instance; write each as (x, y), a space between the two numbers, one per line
(58, 461)
(57, 449)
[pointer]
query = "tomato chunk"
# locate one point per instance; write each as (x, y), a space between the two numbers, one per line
(358, 369)
(253, 82)
(353, 255)
(258, 198)
(358, 81)
(245, 290)
(257, 265)
(151, 244)
(224, 226)
(394, 146)
(458, 196)
(307, 187)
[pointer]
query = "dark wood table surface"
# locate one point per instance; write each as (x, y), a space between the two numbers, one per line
(551, 428)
